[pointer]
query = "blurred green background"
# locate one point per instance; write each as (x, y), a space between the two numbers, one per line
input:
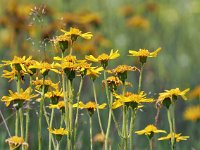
(27, 26)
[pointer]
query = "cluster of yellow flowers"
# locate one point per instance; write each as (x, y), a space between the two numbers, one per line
(63, 97)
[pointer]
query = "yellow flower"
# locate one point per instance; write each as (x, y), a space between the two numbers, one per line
(177, 137)
(68, 58)
(82, 67)
(29, 70)
(90, 106)
(63, 41)
(143, 54)
(103, 58)
(99, 138)
(93, 72)
(54, 95)
(192, 113)
(121, 71)
(112, 83)
(138, 21)
(195, 93)
(15, 142)
(11, 75)
(131, 99)
(17, 62)
(60, 105)
(149, 131)
(74, 33)
(58, 133)
(48, 83)
(18, 98)
(44, 67)
(166, 97)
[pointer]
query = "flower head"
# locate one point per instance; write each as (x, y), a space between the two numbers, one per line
(90, 106)
(103, 58)
(54, 95)
(143, 54)
(18, 98)
(121, 71)
(58, 133)
(112, 83)
(60, 105)
(94, 72)
(82, 67)
(74, 33)
(177, 137)
(166, 97)
(131, 100)
(192, 113)
(138, 21)
(195, 93)
(149, 131)
(63, 41)
(15, 142)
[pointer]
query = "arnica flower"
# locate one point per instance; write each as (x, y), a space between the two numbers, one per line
(59, 133)
(16, 142)
(99, 137)
(44, 67)
(149, 131)
(143, 54)
(103, 58)
(68, 58)
(74, 33)
(195, 93)
(138, 21)
(11, 75)
(54, 95)
(47, 83)
(17, 99)
(90, 106)
(82, 67)
(121, 71)
(112, 83)
(94, 72)
(60, 105)
(17, 62)
(127, 10)
(63, 41)
(31, 71)
(177, 137)
(192, 113)
(168, 96)
(131, 100)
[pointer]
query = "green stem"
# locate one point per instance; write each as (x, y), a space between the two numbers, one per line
(150, 144)
(116, 125)
(140, 78)
(106, 85)
(21, 122)
(61, 119)
(50, 126)
(109, 121)
(91, 145)
(77, 111)
(27, 114)
(4, 121)
(95, 98)
(40, 117)
(133, 115)
(171, 128)
(58, 145)
(16, 123)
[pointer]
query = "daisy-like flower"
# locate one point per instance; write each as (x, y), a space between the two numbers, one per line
(18, 98)
(94, 72)
(44, 67)
(82, 67)
(68, 58)
(195, 93)
(59, 133)
(166, 97)
(17, 62)
(131, 100)
(138, 21)
(192, 113)
(103, 58)
(60, 105)
(63, 41)
(99, 137)
(143, 54)
(74, 33)
(177, 137)
(47, 83)
(16, 142)
(121, 71)
(149, 131)
(112, 83)
(11, 75)
(54, 95)
(90, 106)
(28, 66)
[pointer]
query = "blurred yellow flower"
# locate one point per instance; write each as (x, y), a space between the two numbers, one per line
(177, 137)
(74, 33)
(94, 72)
(143, 54)
(195, 93)
(68, 58)
(149, 131)
(192, 113)
(63, 41)
(15, 142)
(112, 83)
(10, 74)
(103, 58)
(99, 137)
(44, 67)
(166, 97)
(131, 99)
(60, 105)
(138, 21)
(60, 131)
(18, 98)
